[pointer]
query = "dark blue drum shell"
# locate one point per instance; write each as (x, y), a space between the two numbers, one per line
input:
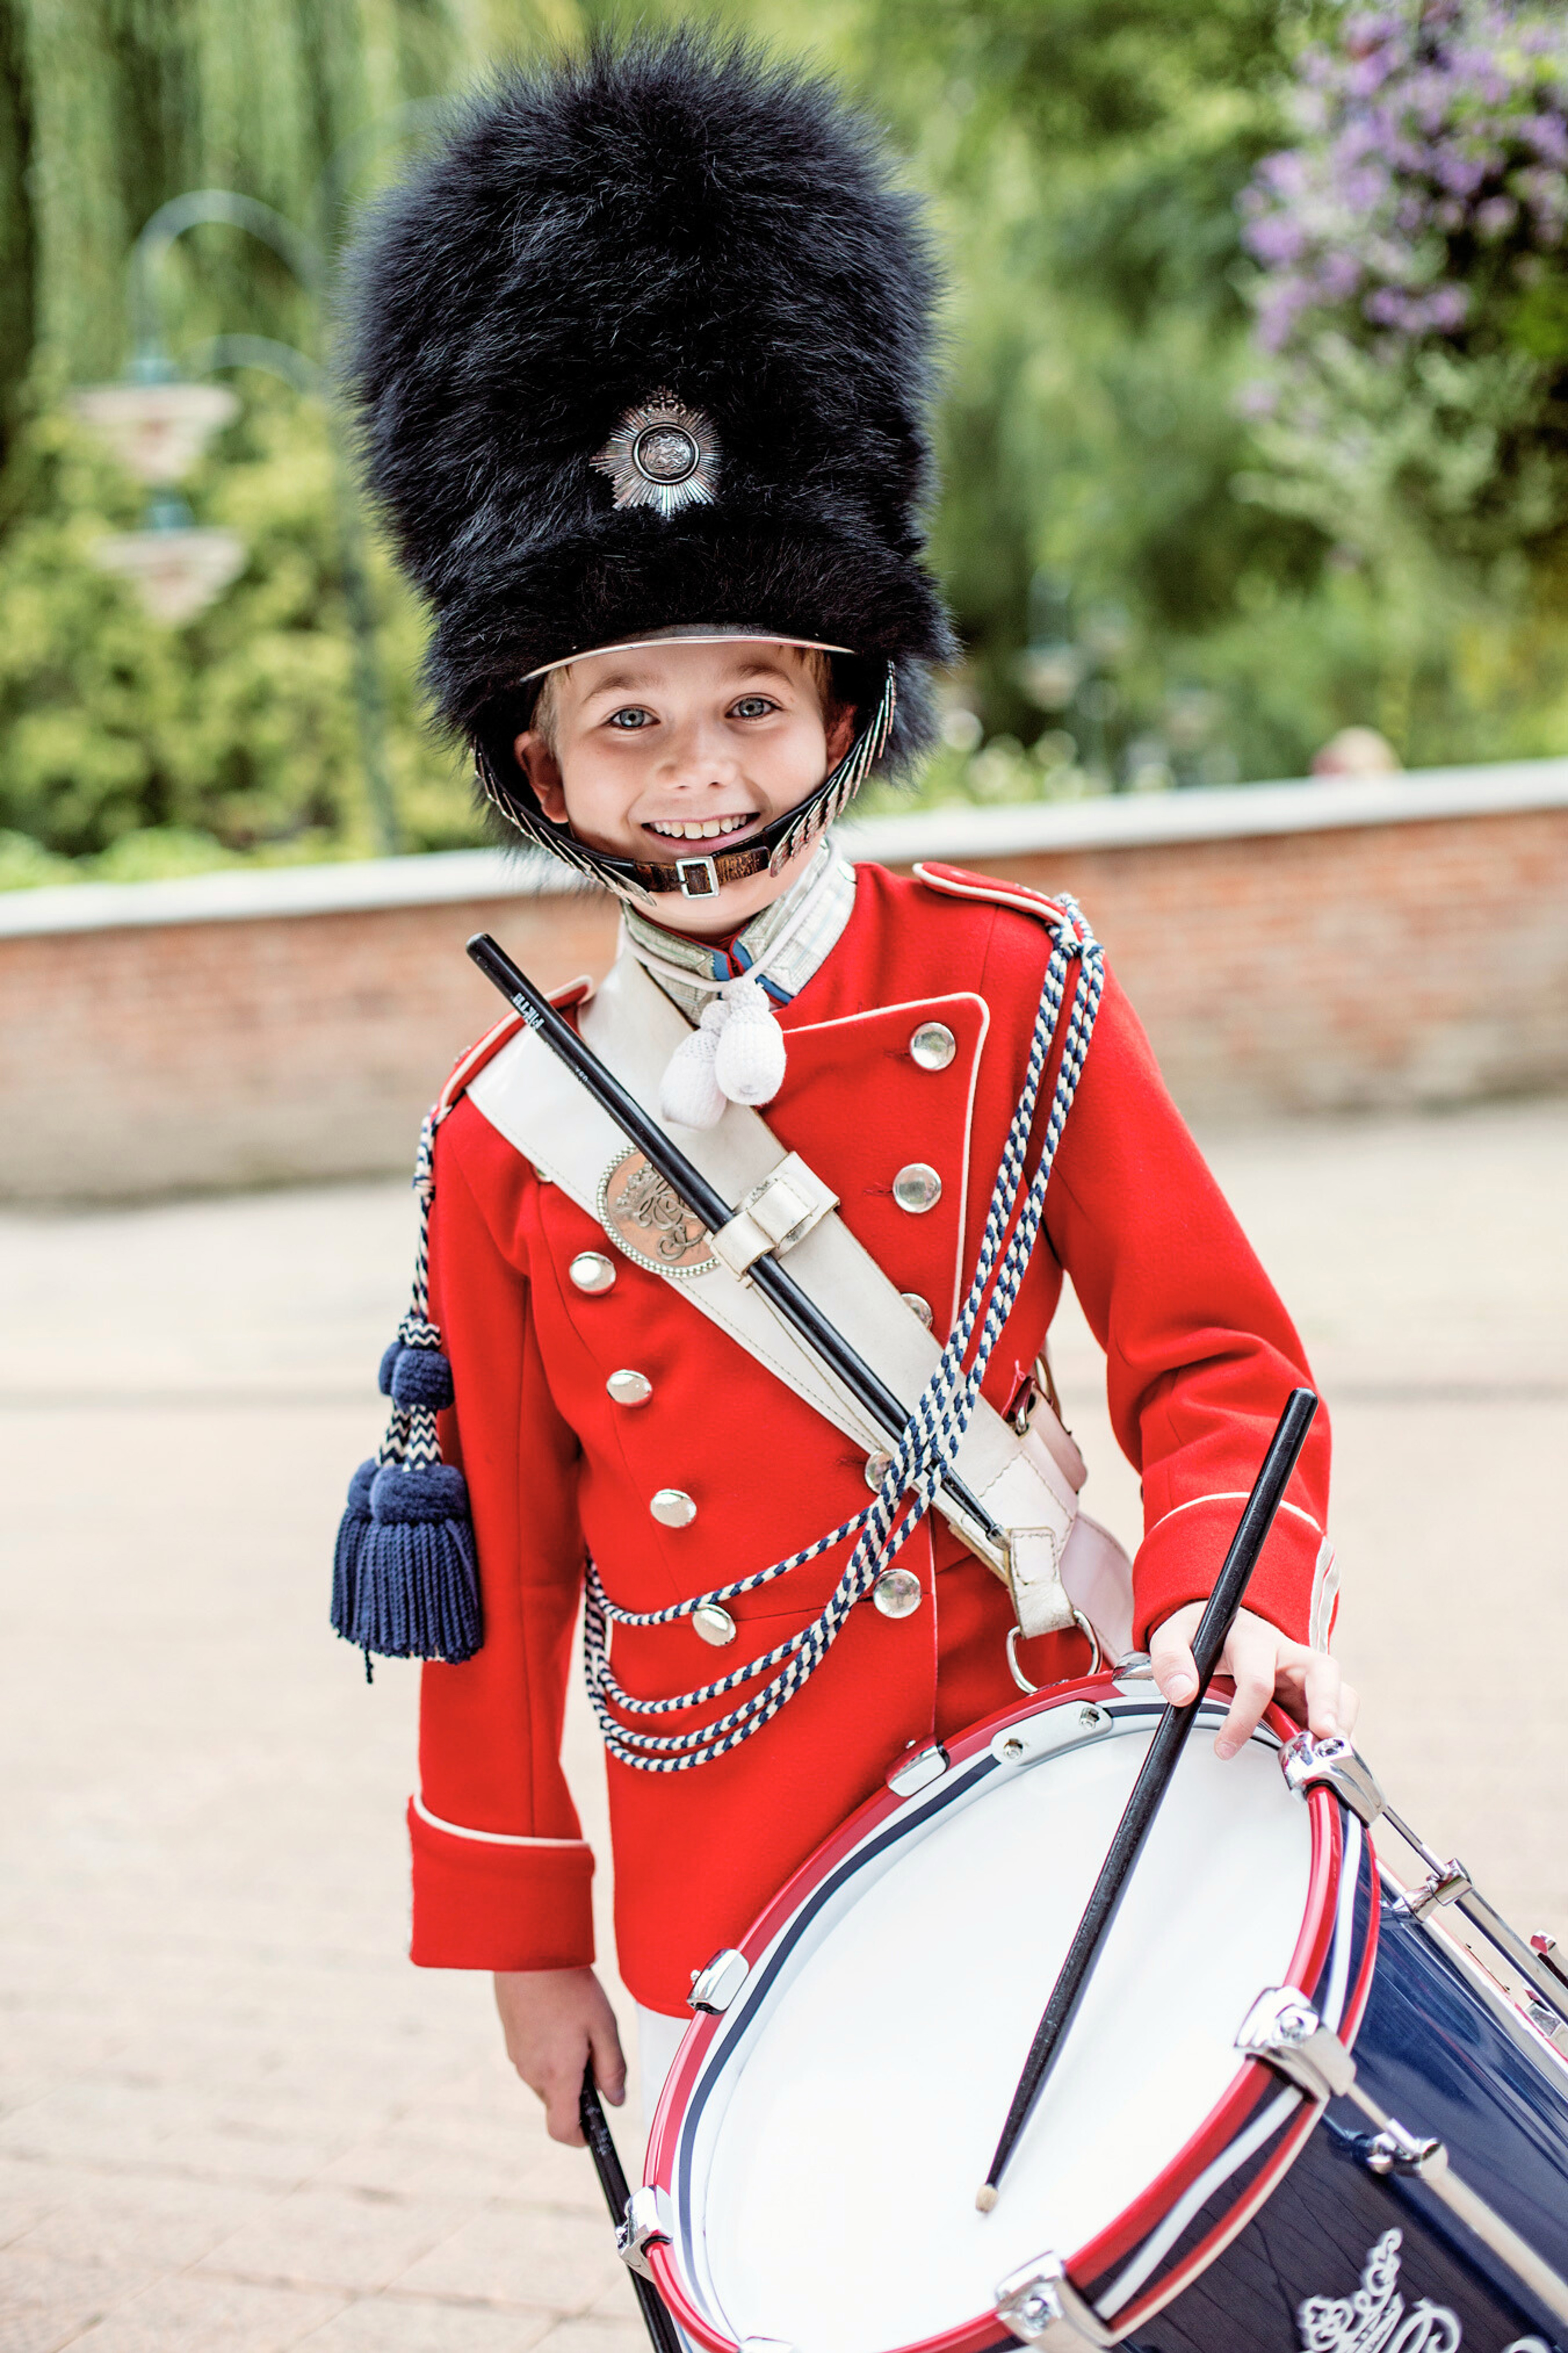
(1436, 2055)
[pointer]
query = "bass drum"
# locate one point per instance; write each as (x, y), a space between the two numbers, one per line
(812, 2164)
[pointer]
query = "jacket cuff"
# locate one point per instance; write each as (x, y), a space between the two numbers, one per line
(484, 1902)
(1294, 1584)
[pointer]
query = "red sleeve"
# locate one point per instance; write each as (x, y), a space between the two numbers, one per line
(501, 1873)
(1200, 1354)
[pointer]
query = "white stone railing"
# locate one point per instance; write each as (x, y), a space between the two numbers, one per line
(959, 834)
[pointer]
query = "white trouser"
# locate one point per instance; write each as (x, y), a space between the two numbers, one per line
(659, 2040)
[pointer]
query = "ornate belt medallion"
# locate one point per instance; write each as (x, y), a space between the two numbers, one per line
(645, 1215)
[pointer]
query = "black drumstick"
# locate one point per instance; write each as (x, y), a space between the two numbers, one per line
(1154, 1779)
(773, 1279)
(661, 2330)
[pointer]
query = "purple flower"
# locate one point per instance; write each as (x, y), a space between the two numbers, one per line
(1495, 218)
(1431, 133)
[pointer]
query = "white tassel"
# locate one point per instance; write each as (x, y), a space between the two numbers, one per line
(736, 1054)
(751, 1061)
(688, 1094)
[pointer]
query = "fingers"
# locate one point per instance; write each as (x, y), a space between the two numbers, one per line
(609, 2060)
(1254, 1690)
(1171, 1657)
(1264, 1667)
(1253, 1655)
(1322, 1696)
(561, 2093)
(555, 2021)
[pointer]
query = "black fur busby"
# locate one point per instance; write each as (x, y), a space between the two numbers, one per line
(672, 217)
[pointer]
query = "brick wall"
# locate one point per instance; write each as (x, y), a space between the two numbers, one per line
(1394, 964)
(157, 1058)
(1293, 970)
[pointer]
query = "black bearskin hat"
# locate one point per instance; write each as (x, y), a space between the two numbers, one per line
(646, 346)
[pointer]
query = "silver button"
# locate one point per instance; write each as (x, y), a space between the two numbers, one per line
(628, 1388)
(918, 1306)
(917, 1187)
(932, 1046)
(713, 1624)
(897, 1592)
(876, 1470)
(591, 1271)
(673, 1508)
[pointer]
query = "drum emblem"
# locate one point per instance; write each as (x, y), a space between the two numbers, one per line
(1376, 2319)
(645, 1215)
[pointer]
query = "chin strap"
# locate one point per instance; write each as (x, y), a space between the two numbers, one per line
(704, 877)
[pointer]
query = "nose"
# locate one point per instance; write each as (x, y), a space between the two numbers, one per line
(698, 755)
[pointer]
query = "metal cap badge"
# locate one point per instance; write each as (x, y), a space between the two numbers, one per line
(664, 455)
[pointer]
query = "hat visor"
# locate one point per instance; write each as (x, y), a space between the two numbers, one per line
(699, 633)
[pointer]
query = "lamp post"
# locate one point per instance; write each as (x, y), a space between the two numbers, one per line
(158, 427)
(303, 374)
(156, 417)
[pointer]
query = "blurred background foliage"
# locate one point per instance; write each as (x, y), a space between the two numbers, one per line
(1171, 559)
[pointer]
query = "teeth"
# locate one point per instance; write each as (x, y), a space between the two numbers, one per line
(698, 828)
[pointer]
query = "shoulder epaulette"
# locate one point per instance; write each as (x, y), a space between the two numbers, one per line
(469, 1066)
(956, 883)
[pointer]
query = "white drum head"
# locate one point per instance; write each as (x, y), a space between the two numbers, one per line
(833, 2148)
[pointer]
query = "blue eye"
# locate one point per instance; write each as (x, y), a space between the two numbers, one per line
(753, 706)
(630, 718)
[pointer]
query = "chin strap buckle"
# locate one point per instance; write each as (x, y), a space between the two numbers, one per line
(706, 885)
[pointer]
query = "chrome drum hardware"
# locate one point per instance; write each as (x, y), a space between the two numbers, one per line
(1393, 2123)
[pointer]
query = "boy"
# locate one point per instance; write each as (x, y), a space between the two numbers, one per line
(643, 359)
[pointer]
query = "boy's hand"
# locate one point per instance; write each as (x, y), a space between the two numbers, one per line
(1263, 1666)
(552, 2019)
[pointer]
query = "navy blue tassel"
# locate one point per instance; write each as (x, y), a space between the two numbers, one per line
(416, 1590)
(405, 1580)
(351, 1542)
(421, 1376)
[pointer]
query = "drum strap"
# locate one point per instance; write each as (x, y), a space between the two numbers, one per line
(1060, 1564)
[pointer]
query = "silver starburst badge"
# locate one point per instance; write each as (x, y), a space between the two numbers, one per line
(662, 454)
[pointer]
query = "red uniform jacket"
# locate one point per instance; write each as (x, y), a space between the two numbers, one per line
(1200, 1357)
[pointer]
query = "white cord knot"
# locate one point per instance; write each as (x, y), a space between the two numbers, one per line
(736, 1054)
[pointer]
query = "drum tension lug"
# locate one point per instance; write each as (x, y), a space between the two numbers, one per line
(715, 1988)
(1396, 2150)
(1541, 2015)
(642, 2229)
(1333, 1764)
(1545, 1949)
(1284, 2031)
(1443, 1885)
(918, 1768)
(1040, 2305)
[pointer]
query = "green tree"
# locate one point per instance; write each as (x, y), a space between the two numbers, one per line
(129, 739)
(1101, 481)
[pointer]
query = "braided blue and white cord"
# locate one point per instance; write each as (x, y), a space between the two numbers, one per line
(411, 1439)
(926, 1449)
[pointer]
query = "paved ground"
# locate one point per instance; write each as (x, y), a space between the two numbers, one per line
(230, 2115)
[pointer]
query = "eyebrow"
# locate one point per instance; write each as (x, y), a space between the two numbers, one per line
(633, 682)
(619, 682)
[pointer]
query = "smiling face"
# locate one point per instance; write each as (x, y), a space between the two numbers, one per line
(644, 753)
